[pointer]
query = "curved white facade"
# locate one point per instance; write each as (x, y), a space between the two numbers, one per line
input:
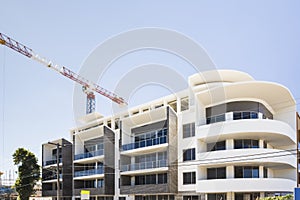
(241, 151)
(227, 137)
(242, 185)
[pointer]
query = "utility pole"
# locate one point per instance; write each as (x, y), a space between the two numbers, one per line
(57, 168)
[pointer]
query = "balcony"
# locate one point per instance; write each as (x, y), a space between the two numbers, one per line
(237, 115)
(144, 165)
(90, 172)
(271, 157)
(245, 185)
(145, 143)
(52, 162)
(52, 178)
(89, 154)
(277, 133)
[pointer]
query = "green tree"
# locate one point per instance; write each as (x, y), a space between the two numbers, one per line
(28, 172)
(286, 197)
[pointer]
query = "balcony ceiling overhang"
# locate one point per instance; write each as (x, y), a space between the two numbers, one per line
(151, 116)
(275, 95)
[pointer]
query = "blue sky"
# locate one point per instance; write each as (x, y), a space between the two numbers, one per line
(258, 37)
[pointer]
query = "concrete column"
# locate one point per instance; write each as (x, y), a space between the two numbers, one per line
(113, 124)
(132, 181)
(165, 102)
(132, 160)
(230, 196)
(229, 116)
(178, 197)
(229, 144)
(261, 144)
(230, 172)
(202, 174)
(262, 194)
(261, 171)
(178, 105)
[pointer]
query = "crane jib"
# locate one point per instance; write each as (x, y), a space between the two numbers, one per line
(13, 44)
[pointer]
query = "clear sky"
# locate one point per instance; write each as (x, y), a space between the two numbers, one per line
(258, 37)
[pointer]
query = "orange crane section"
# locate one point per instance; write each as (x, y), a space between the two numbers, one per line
(88, 86)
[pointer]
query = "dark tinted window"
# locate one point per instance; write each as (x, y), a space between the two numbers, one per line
(189, 154)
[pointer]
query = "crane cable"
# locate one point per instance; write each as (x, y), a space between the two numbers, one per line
(3, 104)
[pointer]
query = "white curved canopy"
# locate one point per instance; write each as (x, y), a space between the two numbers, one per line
(275, 95)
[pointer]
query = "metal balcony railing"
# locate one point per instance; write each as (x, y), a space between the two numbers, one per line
(236, 115)
(145, 143)
(52, 162)
(51, 177)
(144, 165)
(89, 154)
(89, 172)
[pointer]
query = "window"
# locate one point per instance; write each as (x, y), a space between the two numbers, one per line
(247, 196)
(99, 165)
(89, 184)
(154, 197)
(140, 180)
(215, 119)
(265, 172)
(188, 130)
(151, 179)
(117, 123)
(162, 178)
(216, 146)
(194, 197)
(162, 197)
(90, 148)
(265, 145)
(151, 136)
(54, 153)
(189, 154)
(100, 146)
(246, 172)
(189, 178)
(100, 183)
(216, 173)
(184, 103)
(147, 161)
(245, 115)
(219, 196)
(245, 144)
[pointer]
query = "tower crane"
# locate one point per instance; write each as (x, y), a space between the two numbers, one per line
(88, 87)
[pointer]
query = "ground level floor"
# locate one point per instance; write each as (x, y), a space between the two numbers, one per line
(191, 196)
(209, 196)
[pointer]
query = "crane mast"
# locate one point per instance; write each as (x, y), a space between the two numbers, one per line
(88, 87)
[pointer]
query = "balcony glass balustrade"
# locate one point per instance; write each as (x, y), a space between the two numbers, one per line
(52, 162)
(89, 172)
(237, 115)
(145, 143)
(51, 177)
(144, 165)
(99, 152)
